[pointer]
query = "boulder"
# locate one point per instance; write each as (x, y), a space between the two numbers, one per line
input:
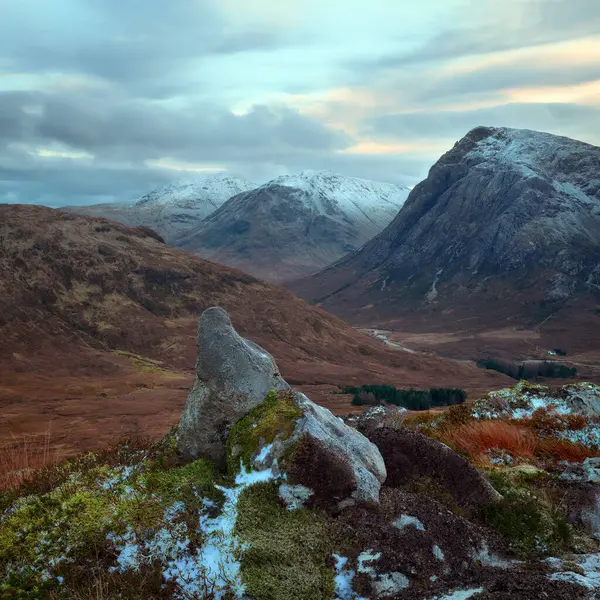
(582, 398)
(381, 416)
(340, 445)
(233, 375)
(242, 413)
(410, 456)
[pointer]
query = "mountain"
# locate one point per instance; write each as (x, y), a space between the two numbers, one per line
(98, 327)
(173, 208)
(505, 229)
(295, 225)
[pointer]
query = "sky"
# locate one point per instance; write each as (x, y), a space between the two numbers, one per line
(104, 100)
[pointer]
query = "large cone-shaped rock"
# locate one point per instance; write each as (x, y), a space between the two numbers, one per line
(232, 376)
(241, 409)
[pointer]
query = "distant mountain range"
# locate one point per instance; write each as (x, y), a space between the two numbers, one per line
(173, 208)
(295, 225)
(286, 228)
(504, 230)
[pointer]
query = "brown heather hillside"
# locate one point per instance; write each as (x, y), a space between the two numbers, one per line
(98, 327)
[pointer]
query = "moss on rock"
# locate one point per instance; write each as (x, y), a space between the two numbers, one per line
(532, 525)
(287, 553)
(275, 417)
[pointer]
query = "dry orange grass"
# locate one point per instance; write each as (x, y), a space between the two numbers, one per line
(476, 438)
(22, 457)
(564, 450)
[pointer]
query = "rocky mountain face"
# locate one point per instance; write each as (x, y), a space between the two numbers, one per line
(295, 225)
(98, 327)
(172, 209)
(505, 227)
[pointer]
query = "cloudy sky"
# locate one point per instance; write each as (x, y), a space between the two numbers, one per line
(104, 100)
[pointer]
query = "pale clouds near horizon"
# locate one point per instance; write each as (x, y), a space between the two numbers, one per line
(103, 101)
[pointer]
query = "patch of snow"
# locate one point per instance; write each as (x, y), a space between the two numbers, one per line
(294, 496)
(262, 455)
(343, 580)
(438, 553)
(487, 559)
(366, 557)
(588, 436)
(408, 521)
(459, 594)
(390, 584)
(203, 193)
(588, 563)
(370, 203)
(119, 476)
(215, 564)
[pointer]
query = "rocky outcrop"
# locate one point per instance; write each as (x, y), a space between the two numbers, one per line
(242, 412)
(233, 375)
(506, 220)
(411, 456)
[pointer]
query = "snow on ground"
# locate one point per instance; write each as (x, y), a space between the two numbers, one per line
(215, 564)
(588, 565)
(210, 190)
(459, 594)
(517, 402)
(408, 521)
(343, 580)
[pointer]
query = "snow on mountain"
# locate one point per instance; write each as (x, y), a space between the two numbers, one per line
(296, 224)
(205, 194)
(174, 208)
(371, 203)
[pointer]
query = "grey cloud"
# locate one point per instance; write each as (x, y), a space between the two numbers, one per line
(145, 46)
(571, 120)
(116, 127)
(535, 23)
(124, 133)
(507, 76)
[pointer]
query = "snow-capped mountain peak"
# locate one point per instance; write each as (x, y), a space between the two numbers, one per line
(212, 190)
(324, 191)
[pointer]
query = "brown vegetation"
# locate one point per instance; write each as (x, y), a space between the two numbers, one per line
(98, 327)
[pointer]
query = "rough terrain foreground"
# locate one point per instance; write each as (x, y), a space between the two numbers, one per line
(172, 209)
(295, 224)
(285, 521)
(504, 231)
(98, 328)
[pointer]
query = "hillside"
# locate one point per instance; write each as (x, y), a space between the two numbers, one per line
(98, 325)
(295, 225)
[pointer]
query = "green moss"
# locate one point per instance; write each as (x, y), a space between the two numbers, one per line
(528, 520)
(288, 550)
(65, 531)
(274, 417)
(172, 484)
